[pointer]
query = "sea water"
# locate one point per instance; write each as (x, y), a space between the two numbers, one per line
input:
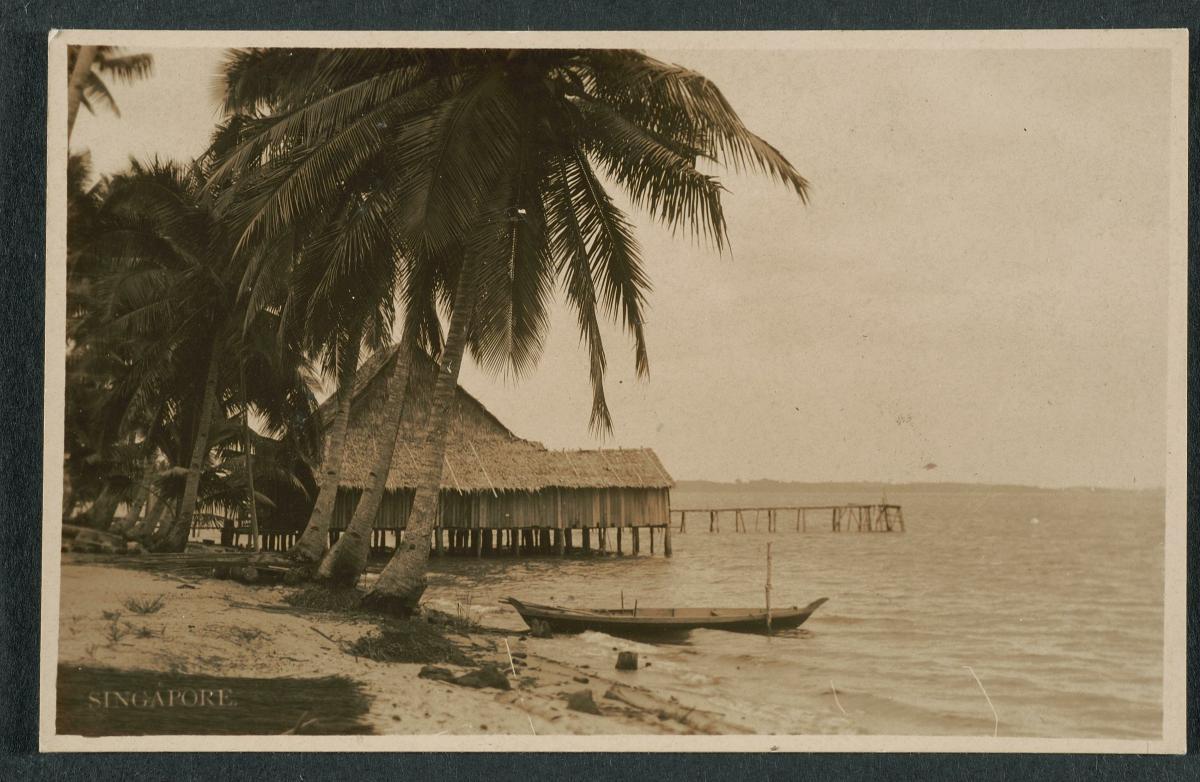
(1050, 602)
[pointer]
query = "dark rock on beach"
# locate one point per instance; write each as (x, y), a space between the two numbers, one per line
(582, 701)
(486, 676)
(436, 673)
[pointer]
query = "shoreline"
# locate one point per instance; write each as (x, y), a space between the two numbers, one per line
(206, 627)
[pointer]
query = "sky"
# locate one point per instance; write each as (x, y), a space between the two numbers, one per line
(976, 291)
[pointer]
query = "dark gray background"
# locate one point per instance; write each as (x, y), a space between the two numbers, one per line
(24, 26)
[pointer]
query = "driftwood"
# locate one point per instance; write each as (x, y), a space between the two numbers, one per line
(243, 565)
(695, 719)
(88, 540)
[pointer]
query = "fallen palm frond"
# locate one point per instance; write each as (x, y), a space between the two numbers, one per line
(408, 641)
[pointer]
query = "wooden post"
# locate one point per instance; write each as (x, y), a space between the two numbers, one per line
(637, 539)
(682, 523)
(562, 542)
(768, 590)
(586, 534)
(652, 539)
(739, 524)
(478, 533)
(620, 547)
(666, 541)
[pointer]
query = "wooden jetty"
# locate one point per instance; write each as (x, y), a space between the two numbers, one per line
(835, 518)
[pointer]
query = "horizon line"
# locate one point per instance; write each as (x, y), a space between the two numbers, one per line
(875, 483)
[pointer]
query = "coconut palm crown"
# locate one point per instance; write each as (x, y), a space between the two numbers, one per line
(500, 151)
(485, 170)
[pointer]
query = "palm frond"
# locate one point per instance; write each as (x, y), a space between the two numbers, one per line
(127, 68)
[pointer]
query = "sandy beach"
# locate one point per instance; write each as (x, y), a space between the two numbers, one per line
(223, 628)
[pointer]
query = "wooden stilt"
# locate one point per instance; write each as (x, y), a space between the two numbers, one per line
(652, 539)
(478, 535)
(637, 540)
(620, 547)
(667, 541)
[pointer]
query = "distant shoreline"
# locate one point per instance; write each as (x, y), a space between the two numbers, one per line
(875, 486)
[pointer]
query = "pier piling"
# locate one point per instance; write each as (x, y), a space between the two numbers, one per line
(842, 518)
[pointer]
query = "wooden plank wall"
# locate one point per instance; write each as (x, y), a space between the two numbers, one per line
(548, 508)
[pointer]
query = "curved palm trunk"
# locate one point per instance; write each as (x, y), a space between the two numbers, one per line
(176, 535)
(402, 582)
(312, 544)
(144, 529)
(79, 74)
(141, 494)
(104, 508)
(246, 445)
(149, 473)
(346, 561)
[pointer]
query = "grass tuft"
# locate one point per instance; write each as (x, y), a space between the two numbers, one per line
(145, 606)
(246, 634)
(115, 633)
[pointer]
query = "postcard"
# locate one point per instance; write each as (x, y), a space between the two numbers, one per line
(671, 391)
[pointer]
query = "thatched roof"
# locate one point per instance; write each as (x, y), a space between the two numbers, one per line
(482, 454)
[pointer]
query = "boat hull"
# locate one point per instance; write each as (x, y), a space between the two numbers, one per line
(663, 622)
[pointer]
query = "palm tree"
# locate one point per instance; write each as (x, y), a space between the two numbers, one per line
(171, 284)
(85, 67)
(337, 287)
(488, 166)
(340, 284)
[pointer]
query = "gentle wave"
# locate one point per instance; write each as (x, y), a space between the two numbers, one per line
(1061, 621)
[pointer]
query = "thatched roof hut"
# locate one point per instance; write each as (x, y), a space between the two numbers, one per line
(493, 478)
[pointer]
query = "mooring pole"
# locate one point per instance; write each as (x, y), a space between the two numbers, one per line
(768, 589)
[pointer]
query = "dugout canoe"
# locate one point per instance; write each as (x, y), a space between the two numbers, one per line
(662, 621)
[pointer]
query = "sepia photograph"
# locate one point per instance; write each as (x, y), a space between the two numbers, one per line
(616, 391)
